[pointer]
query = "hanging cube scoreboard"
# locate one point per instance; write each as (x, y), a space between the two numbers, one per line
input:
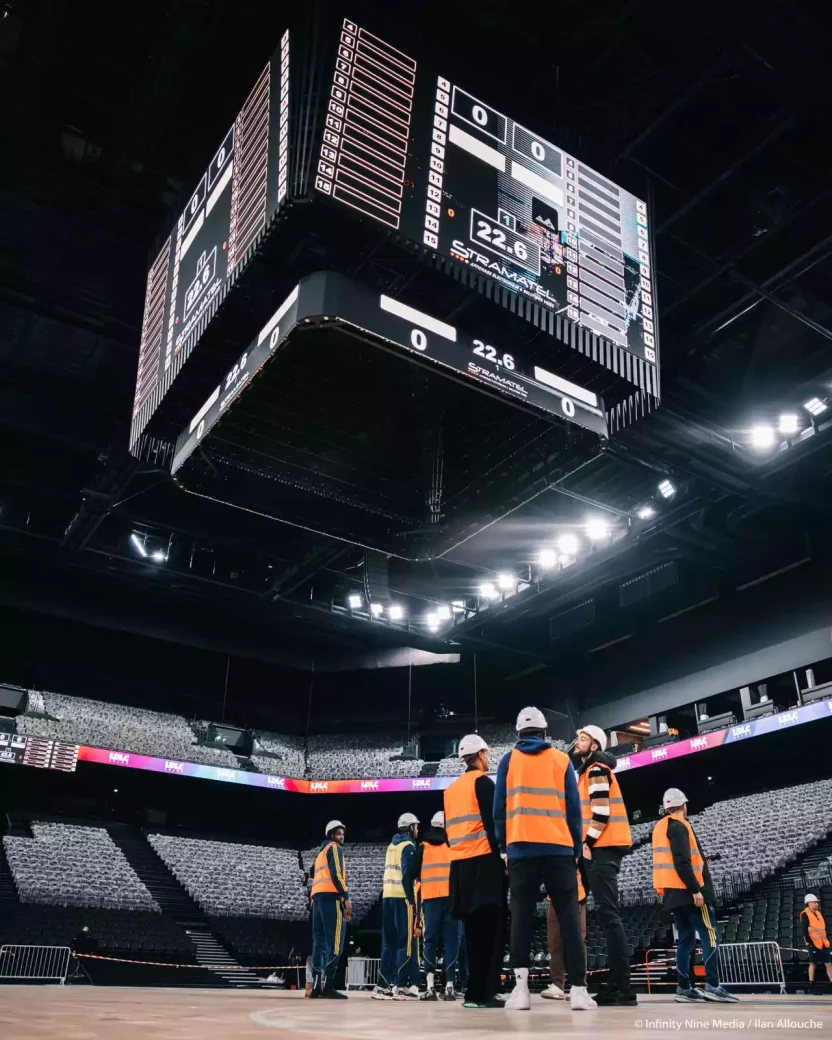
(399, 151)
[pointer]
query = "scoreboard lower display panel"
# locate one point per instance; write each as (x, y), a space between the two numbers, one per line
(40, 752)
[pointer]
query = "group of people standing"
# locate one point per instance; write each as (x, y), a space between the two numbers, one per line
(553, 822)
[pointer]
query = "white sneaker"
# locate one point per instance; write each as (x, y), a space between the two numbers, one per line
(412, 991)
(553, 992)
(580, 1000)
(520, 998)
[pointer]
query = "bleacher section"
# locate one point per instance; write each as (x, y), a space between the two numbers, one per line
(226, 878)
(348, 756)
(500, 739)
(279, 754)
(63, 865)
(365, 871)
(755, 836)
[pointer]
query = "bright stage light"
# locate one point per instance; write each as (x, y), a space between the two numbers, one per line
(376, 609)
(667, 489)
(488, 591)
(396, 612)
(547, 558)
(354, 601)
(432, 620)
(158, 556)
(507, 582)
(459, 606)
(443, 612)
(814, 406)
(597, 530)
(788, 424)
(646, 513)
(137, 542)
(568, 544)
(762, 437)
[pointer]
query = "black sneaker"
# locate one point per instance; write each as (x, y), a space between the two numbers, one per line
(429, 994)
(626, 998)
(607, 996)
(331, 993)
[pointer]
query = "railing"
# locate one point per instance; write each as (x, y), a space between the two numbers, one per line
(41, 963)
(362, 972)
(740, 964)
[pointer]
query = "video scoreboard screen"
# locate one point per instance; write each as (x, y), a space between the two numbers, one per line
(246, 180)
(16, 749)
(426, 158)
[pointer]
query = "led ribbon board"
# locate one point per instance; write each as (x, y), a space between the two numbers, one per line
(330, 299)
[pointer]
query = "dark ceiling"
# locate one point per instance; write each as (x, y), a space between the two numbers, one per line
(717, 112)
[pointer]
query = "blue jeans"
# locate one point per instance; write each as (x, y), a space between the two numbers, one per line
(399, 949)
(328, 931)
(439, 923)
(689, 921)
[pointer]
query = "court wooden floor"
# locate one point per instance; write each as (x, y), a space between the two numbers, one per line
(92, 1013)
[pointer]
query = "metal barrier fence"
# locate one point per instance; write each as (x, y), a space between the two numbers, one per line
(740, 964)
(362, 971)
(43, 963)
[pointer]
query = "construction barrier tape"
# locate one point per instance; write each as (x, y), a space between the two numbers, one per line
(205, 967)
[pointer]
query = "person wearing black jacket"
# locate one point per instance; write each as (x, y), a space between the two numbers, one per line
(683, 881)
(478, 882)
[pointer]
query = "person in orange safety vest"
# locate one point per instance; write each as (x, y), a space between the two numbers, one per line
(815, 937)
(331, 909)
(432, 865)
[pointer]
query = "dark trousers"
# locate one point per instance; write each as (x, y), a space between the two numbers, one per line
(485, 936)
(557, 874)
(602, 871)
(440, 925)
(328, 930)
(399, 950)
(462, 961)
(689, 921)
(554, 940)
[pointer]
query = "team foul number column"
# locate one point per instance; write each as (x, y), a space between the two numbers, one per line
(436, 173)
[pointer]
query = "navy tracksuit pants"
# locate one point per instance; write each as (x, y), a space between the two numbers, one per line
(440, 924)
(328, 933)
(399, 947)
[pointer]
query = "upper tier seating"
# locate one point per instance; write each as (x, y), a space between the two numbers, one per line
(226, 878)
(500, 738)
(118, 727)
(755, 836)
(284, 755)
(347, 756)
(65, 865)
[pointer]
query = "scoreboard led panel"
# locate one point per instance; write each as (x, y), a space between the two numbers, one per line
(246, 181)
(426, 158)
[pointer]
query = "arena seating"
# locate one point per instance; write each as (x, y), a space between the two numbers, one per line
(345, 756)
(753, 834)
(500, 738)
(226, 878)
(74, 866)
(279, 754)
(365, 872)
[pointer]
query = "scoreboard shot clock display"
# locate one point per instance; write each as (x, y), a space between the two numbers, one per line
(384, 148)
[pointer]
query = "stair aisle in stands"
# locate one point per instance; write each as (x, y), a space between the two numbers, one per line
(210, 953)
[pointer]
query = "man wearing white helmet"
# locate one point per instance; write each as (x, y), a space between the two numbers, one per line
(607, 839)
(683, 882)
(815, 937)
(331, 909)
(432, 867)
(399, 966)
(478, 877)
(537, 816)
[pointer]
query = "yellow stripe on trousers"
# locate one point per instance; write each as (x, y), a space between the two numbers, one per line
(706, 917)
(339, 923)
(409, 930)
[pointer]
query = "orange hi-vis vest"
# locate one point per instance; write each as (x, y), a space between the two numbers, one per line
(436, 871)
(817, 929)
(535, 798)
(322, 879)
(463, 824)
(617, 830)
(664, 872)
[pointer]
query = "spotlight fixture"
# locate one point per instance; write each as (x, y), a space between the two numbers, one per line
(667, 489)
(158, 556)
(646, 513)
(432, 620)
(547, 558)
(139, 544)
(597, 530)
(488, 591)
(376, 609)
(506, 582)
(762, 437)
(814, 406)
(458, 606)
(443, 612)
(354, 601)
(396, 612)
(788, 424)
(568, 544)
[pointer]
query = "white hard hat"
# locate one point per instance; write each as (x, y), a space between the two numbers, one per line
(438, 819)
(597, 735)
(531, 718)
(673, 798)
(407, 819)
(811, 899)
(471, 744)
(332, 825)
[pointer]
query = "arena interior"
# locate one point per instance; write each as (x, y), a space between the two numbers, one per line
(486, 367)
